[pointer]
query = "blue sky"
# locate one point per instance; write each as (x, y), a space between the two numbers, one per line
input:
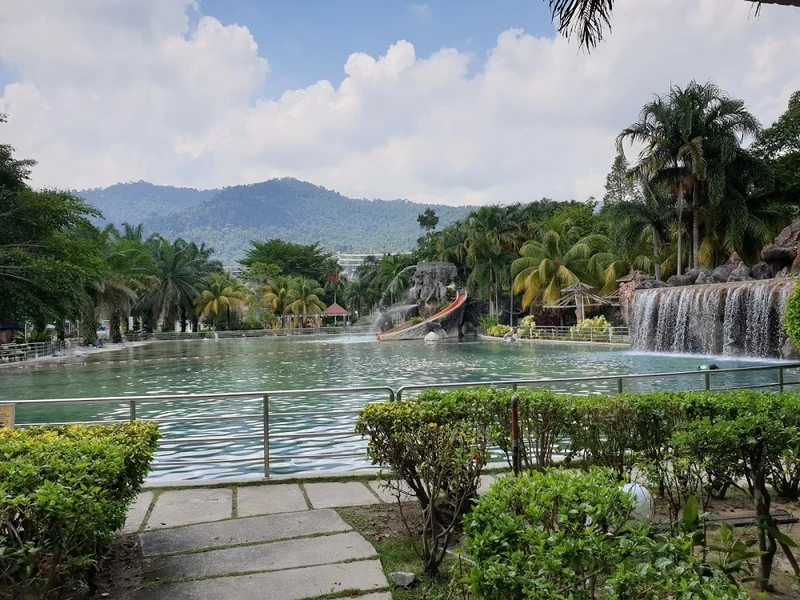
(309, 40)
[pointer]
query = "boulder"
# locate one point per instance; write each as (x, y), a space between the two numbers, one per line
(723, 272)
(740, 273)
(693, 274)
(760, 271)
(795, 265)
(705, 277)
(432, 336)
(783, 252)
(468, 329)
(650, 284)
(679, 280)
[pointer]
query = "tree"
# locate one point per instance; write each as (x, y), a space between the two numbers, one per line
(297, 260)
(557, 261)
(620, 186)
(279, 293)
(428, 220)
(221, 294)
(47, 265)
(307, 299)
(779, 146)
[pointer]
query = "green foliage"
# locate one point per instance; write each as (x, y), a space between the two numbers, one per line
(527, 327)
(562, 535)
(297, 260)
(437, 446)
(595, 327)
(64, 493)
(428, 219)
(791, 317)
(498, 330)
(488, 321)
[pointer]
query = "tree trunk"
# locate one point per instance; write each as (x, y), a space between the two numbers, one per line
(89, 326)
(766, 541)
(656, 263)
(695, 225)
(183, 319)
(116, 333)
(680, 228)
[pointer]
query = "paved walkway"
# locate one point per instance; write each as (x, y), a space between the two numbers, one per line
(265, 542)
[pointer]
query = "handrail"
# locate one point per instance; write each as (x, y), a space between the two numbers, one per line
(260, 429)
(600, 378)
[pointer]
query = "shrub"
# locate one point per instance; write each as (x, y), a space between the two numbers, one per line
(64, 492)
(561, 535)
(594, 327)
(437, 446)
(791, 317)
(487, 321)
(527, 327)
(498, 330)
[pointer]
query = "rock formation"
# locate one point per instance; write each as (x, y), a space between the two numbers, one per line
(782, 254)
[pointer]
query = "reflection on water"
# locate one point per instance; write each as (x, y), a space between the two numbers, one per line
(253, 364)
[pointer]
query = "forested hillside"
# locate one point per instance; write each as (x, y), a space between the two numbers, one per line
(289, 209)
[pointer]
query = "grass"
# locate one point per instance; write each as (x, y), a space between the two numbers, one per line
(383, 527)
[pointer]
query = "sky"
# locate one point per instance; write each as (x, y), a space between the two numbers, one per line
(445, 101)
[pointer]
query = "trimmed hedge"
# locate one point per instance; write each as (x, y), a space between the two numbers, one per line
(64, 493)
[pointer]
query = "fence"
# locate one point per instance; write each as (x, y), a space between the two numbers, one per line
(21, 352)
(135, 336)
(236, 433)
(586, 334)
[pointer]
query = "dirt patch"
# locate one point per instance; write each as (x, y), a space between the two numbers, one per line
(120, 574)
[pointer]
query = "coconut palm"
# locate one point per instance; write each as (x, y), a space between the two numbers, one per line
(557, 261)
(279, 293)
(220, 295)
(307, 299)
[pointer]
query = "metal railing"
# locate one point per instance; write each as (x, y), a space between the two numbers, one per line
(21, 352)
(136, 336)
(254, 408)
(573, 334)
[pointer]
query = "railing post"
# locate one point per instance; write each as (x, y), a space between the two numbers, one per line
(391, 395)
(266, 435)
(514, 386)
(515, 449)
(619, 385)
(133, 410)
(780, 379)
(708, 381)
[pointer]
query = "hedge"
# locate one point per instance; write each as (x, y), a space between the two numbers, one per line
(685, 443)
(64, 493)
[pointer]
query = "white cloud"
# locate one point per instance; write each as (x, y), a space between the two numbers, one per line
(151, 89)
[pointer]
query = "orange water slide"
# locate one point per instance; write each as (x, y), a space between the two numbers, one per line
(461, 298)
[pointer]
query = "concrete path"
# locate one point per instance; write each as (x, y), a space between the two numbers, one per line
(265, 542)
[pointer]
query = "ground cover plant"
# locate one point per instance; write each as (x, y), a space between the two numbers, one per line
(691, 449)
(64, 493)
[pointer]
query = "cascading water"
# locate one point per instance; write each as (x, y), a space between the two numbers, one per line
(732, 319)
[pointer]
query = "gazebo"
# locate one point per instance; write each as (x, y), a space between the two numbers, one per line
(335, 311)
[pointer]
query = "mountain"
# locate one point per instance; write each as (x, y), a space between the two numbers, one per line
(293, 210)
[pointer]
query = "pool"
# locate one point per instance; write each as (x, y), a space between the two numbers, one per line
(256, 364)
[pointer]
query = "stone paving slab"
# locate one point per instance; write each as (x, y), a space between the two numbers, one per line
(486, 482)
(388, 494)
(137, 512)
(270, 499)
(292, 584)
(241, 531)
(182, 507)
(334, 495)
(288, 554)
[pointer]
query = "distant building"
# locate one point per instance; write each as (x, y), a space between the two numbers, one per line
(350, 262)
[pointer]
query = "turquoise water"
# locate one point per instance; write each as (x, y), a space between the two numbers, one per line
(257, 364)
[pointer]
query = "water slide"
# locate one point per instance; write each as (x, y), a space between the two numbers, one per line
(409, 330)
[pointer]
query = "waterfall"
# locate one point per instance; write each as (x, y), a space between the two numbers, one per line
(744, 318)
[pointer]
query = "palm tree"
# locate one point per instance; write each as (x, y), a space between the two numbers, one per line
(643, 222)
(334, 280)
(279, 293)
(394, 273)
(490, 237)
(307, 301)
(557, 261)
(222, 293)
(179, 270)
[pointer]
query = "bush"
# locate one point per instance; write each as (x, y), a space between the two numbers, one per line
(561, 535)
(487, 321)
(594, 327)
(437, 446)
(64, 493)
(498, 330)
(791, 317)
(527, 327)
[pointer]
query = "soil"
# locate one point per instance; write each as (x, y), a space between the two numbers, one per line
(120, 574)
